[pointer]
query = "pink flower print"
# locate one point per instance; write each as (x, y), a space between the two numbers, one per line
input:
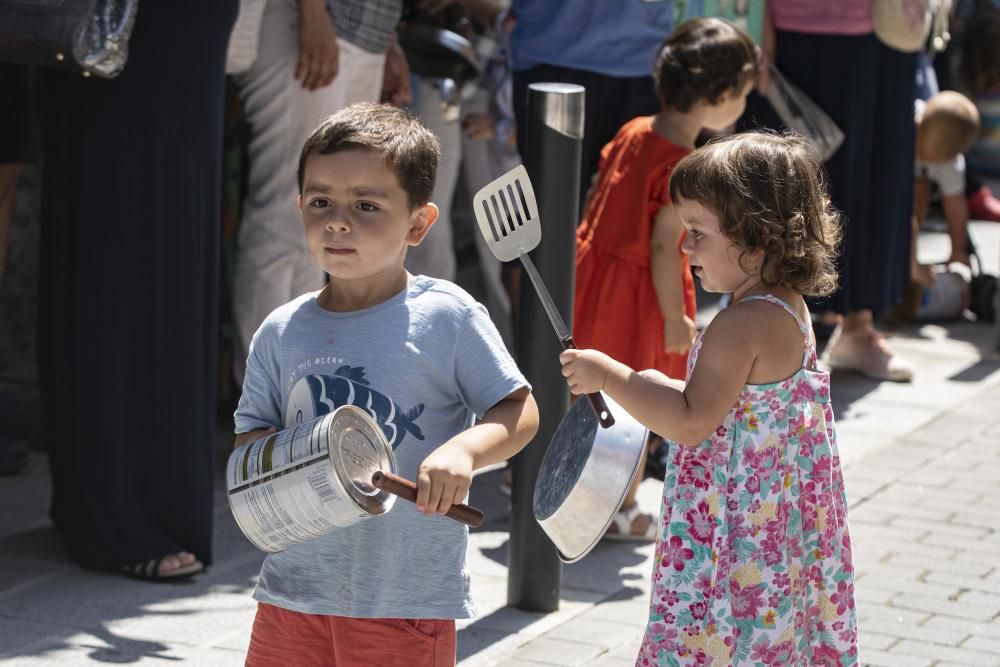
(704, 584)
(732, 505)
(670, 597)
(803, 391)
(702, 523)
(675, 553)
(838, 626)
(699, 609)
(668, 618)
(753, 484)
(821, 469)
(721, 431)
(774, 405)
(781, 580)
(774, 600)
(825, 656)
(752, 423)
(746, 602)
(692, 630)
(844, 597)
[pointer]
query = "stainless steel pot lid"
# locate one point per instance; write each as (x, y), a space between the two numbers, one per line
(584, 476)
(358, 449)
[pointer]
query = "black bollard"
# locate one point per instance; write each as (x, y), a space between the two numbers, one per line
(552, 157)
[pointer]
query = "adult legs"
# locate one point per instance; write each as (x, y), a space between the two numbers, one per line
(273, 265)
(435, 256)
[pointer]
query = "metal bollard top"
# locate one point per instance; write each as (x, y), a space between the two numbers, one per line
(559, 106)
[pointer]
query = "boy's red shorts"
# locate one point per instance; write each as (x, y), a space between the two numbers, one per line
(289, 638)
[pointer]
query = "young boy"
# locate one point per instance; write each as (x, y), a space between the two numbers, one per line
(947, 126)
(385, 591)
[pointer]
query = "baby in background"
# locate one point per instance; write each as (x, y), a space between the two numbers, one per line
(947, 126)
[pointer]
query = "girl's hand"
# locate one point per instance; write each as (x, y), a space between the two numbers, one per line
(678, 334)
(585, 370)
(319, 54)
(444, 478)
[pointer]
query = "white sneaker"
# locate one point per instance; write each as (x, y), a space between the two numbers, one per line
(866, 352)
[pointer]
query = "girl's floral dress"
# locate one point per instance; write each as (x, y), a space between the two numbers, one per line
(753, 560)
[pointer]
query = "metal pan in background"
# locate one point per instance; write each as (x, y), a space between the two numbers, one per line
(436, 53)
(584, 476)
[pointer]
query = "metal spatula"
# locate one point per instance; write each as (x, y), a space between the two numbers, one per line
(508, 218)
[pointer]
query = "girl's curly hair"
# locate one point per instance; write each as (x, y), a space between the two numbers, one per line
(703, 59)
(768, 193)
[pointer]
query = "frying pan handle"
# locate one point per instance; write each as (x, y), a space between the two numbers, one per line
(406, 489)
(604, 416)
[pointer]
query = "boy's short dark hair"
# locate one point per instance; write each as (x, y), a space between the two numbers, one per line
(768, 193)
(397, 137)
(701, 60)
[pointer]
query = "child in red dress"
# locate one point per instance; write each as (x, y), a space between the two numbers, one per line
(634, 291)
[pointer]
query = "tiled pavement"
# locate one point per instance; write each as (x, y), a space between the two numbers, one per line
(922, 464)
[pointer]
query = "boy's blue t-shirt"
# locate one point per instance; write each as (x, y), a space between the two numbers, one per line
(434, 353)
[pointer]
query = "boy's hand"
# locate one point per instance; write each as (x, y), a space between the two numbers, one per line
(444, 478)
(678, 334)
(585, 370)
(251, 436)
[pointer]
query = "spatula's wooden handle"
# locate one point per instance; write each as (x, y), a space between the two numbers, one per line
(604, 416)
(407, 490)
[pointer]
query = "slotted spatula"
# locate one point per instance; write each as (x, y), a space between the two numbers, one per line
(508, 218)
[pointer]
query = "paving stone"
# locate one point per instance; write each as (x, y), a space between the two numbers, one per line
(890, 614)
(868, 640)
(924, 632)
(890, 502)
(884, 659)
(938, 528)
(945, 567)
(558, 652)
(895, 585)
(991, 630)
(985, 644)
(85, 649)
(984, 584)
(970, 610)
(938, 652)
(608, 634)
(19, 633)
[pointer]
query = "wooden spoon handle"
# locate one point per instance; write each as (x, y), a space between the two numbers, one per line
(406, 489)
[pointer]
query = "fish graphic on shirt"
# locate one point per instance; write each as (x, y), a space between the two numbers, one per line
(316, 395)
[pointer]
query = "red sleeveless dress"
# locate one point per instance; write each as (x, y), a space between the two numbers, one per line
(616, 309)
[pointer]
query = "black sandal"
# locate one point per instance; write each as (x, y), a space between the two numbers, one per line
(150, 570)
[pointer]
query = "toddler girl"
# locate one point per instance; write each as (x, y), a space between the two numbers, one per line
(634, 291)
(753, 558)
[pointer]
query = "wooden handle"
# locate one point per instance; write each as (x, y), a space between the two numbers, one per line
(604, 416)
(406, 489)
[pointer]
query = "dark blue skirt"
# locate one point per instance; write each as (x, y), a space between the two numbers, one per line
(868, 90)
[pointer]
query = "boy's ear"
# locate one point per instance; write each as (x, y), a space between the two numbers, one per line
(298, 203)
(421, 220)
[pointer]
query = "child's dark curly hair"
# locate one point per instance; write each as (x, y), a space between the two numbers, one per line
(768, 193)
(703, 59)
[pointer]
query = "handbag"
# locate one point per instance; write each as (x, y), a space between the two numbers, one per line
(984, 291)
(88, 36)
(799, 113)
(904, 25)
